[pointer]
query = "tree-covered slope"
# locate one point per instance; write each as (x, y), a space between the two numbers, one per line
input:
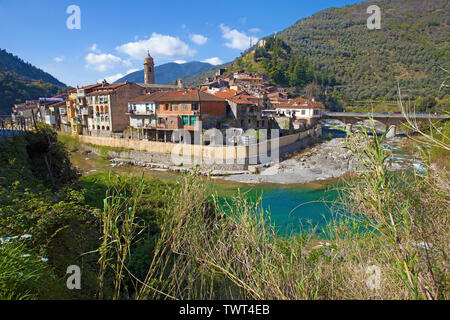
(411, 47)
(13, 63)
(356, 63)
(15, 89)
(20, 81)
(169, 72)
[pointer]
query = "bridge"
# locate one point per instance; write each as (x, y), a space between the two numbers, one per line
(391, 121)
(7, 130)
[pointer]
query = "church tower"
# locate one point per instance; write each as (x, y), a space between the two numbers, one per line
(149, 70)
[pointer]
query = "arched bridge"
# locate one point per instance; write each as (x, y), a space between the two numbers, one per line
(391, 121)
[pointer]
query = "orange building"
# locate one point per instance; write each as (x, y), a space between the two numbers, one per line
(182, 109)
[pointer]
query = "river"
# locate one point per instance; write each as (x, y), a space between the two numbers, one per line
(292, 208)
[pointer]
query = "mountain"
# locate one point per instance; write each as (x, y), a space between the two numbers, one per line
(20, 81)
(199, 78)
(169, 72)
(410, 47)
(14, 64)
(357, 64)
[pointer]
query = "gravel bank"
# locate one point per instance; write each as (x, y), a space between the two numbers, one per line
(324, 161)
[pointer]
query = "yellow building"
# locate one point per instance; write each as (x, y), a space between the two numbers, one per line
(76, 121)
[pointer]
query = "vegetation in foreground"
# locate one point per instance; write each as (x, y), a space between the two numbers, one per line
(136, 238)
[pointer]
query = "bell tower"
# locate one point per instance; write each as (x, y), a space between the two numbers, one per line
(149, 70)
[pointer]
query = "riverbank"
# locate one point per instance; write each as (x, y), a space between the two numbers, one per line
(324, 161)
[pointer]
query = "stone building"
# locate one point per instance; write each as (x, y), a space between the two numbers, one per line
(158, 114)
(109, 105)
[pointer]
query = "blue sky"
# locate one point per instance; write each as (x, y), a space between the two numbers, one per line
(115, 35)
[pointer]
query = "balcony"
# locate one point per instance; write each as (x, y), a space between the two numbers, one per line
(140, 113)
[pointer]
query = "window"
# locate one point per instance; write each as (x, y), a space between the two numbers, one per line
(157, 107)
(193, 120)
(159, 120)
(303, 112)
(185, 107)
(195, 106)
(185, 120)
(175, 107)
(166, 107)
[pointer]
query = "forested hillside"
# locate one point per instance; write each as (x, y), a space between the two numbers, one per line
(13, 63)
(335, 49)
(411, 47)
(20, 81)
(15, 89)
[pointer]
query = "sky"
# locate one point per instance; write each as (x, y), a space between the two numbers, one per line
(112, 37)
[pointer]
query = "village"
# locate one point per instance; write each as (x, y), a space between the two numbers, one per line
(240, 102)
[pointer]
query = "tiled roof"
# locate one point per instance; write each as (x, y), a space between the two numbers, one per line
(300, 103)
(226, 94)
(91, 86)
(148, 97)
(107, 89)
(246, 96)
(178, 96)
(241, 101)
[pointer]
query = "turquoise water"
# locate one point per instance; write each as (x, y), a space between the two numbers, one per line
(295, 209)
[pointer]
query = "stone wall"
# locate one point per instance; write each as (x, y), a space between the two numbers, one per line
(206, 157)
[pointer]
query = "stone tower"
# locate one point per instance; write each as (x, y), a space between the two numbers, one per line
(149, 70)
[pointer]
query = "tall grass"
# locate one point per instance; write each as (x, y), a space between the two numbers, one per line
(409, 211)
(392, 244)
(120, 227)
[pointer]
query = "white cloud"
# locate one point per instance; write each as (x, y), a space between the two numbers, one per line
(117, 76)
(112, 79)
(255, 30)
(180, 61)
(214, 61)
(198, 39)
(104, 62)
(94, 48)
(237, 40)
(131, 71)
(160, 47)
(58, 59)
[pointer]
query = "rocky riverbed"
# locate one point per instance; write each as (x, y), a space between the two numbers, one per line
(324, 161)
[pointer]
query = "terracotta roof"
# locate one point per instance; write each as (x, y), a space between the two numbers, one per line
(246, 96)
(241, 101)
(180, 96)
(56, 104)
(107, 89)
(91, 86)
(226, 94)
(148, 97)
(300, 103)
